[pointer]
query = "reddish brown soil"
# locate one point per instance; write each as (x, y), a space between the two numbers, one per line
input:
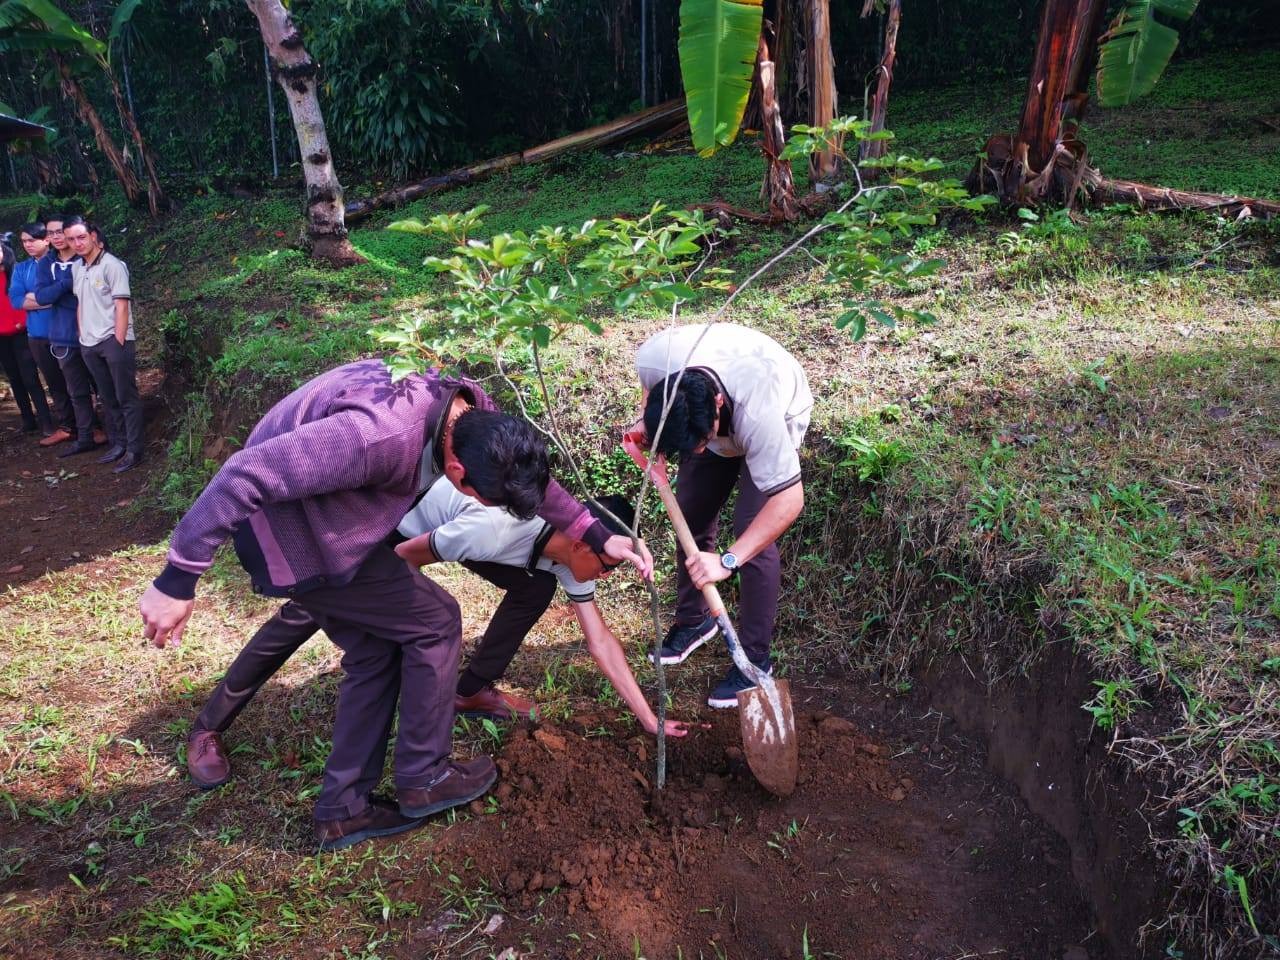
(895, 845)
(58, 512)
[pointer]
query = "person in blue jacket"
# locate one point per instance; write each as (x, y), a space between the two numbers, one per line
(53, 289)
(22, 285)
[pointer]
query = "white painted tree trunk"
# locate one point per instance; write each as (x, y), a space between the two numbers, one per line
(296, 72)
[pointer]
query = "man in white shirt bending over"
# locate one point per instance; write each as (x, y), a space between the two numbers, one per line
(739, 416)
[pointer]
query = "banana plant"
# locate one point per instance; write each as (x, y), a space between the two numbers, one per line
(718, 42)
(1136, 49)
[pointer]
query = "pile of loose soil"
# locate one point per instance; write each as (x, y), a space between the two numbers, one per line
(871, 857)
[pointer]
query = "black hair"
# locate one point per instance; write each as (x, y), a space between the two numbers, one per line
(69, 219)
(692, 416)
(619, 506)
(504, 460)
(35, 231)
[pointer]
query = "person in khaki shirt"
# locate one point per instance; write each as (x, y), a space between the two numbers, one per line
(740, 414)
(105, 317)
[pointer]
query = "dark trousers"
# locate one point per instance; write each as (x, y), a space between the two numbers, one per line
(400, 635)
(20, 370)
(703, 485)
(79, 388)
(527, 598)
(114, 369)
(266, 652)
(63, 413)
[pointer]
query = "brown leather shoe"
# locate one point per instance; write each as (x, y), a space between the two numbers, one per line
(207, 761)
(58, 436)
(379, 819)
(461, 783)
(494, 703)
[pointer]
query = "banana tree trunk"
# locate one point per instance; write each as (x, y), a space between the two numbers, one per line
(296, 72)
(1020, 167)
(74, 92)
(884, 79)
(823, 166)
(779, 187)
(156, 200)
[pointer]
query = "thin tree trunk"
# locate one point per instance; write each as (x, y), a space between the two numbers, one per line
(779, 187)
(871, 149)
(823, 166)
(271, 113)
(156, 200)
(296, 71)
(645, 122)
(74, 92)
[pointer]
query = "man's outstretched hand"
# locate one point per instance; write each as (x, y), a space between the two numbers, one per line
(619, 548)
(164, 618)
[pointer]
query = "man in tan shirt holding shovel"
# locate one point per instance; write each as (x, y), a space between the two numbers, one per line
(739, 416)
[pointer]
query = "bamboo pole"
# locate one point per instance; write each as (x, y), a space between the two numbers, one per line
(646, 122)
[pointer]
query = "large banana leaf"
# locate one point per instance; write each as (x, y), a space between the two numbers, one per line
(1137, 48)
(718, 41)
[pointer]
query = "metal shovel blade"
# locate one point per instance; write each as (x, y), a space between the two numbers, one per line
(769, 736)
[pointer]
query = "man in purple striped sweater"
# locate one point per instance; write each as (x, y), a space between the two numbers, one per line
(323, 480)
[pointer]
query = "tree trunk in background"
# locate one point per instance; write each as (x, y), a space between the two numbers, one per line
(884, 79)
(779, 187)
(1020, 168)
(296, 71)
(1083, 61)
(823, 166)
(74, 92)
(156, 200)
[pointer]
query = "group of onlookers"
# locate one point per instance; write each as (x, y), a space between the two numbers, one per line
(67, 318)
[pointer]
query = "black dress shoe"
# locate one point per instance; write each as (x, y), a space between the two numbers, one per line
(80, 446)
(127, 462)
(112, 455)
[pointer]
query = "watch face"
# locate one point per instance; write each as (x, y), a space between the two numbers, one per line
(729, 561)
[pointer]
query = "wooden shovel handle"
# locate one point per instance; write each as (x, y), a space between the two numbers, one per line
(688, 544)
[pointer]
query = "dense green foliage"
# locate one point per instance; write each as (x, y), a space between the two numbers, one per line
(414, 86)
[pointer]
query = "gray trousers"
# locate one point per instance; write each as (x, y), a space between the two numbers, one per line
(703, 485)
(79, 388)
(63, 413)
(114, 370)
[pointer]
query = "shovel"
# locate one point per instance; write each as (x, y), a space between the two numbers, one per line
(768, 724)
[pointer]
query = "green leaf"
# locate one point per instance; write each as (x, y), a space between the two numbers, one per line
(120, 19)
(409, 226)
(63, 27)
(1136, 49)
(718, 40)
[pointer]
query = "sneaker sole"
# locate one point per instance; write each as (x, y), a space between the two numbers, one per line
(360, 836)
(723, 704)
(442, 805)
(671, 661)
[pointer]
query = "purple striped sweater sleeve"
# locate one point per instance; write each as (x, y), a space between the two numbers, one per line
(316, 458)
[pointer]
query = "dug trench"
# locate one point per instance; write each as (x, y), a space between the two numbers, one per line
(897, 843)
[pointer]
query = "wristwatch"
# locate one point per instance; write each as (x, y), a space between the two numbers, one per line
(729, 561)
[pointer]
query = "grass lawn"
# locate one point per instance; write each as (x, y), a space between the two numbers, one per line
(1086, 445)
